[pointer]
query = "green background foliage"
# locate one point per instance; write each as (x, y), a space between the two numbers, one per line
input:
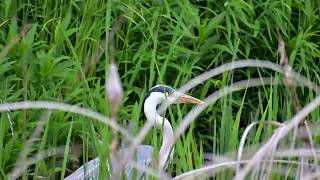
(162, 42)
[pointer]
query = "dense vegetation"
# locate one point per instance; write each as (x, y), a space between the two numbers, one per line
(53, 51)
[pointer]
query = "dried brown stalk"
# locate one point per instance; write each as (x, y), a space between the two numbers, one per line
(244, 137)
(93, 60)
(21, 164)
(114, 93)
(295, 98)
(4, 52)
(280, 133)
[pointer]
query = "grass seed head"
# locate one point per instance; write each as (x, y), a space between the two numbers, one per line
(113, 88)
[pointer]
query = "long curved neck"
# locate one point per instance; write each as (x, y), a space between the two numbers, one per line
(150, 110)
(166, 144)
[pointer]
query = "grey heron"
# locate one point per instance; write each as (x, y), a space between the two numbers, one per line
(155, 96)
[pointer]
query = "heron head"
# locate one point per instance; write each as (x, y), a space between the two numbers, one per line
(163, 93)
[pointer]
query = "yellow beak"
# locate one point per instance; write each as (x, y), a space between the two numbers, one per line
(183, 98)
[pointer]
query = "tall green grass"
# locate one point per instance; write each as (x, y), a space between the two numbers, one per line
(163, 42)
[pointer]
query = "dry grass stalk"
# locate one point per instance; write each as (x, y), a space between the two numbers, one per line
(24, 30)
(219, 70)
(229, 66)
(4, 52)
(295, 98)
(280, 133)
(114, 89)
(106, 43)
(66, 108)
(223, 162)
(244, 137)
(241, 63)
(114, 94)
(211, 170)
(9, 119)
(212, 98)
(21, 164)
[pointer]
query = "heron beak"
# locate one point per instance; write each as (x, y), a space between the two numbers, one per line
(186, 99)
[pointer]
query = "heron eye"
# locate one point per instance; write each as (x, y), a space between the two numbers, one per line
(166, 94)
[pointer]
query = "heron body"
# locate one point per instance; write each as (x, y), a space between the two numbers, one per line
(155, 96)
(90, 171)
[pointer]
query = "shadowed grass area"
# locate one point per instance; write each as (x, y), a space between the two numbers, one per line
(55, 51)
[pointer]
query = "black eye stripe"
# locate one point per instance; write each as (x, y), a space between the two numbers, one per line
(161, 89)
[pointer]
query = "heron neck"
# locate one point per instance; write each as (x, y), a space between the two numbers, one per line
(160, 122)
(166, 144)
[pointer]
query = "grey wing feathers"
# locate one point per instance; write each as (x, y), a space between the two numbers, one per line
(143, 157)
(90, 171)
